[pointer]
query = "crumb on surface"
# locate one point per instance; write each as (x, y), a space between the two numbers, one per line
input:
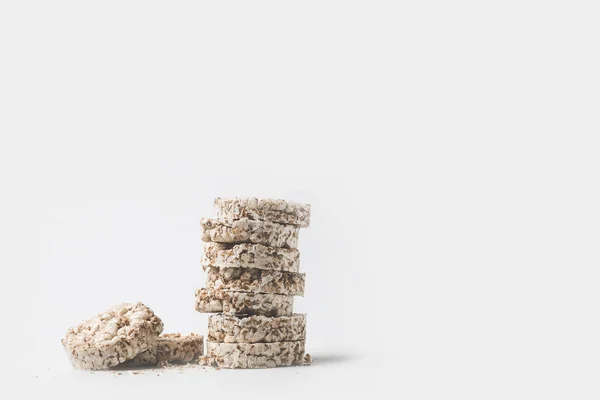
(307, 360)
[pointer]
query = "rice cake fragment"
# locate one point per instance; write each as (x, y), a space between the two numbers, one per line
(170, 348)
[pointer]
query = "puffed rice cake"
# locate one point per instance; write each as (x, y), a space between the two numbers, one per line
(249, 231)
(240, 303)
(255, 280)
(170, 348)
(112, 337)
(256, 329)
(249, 255)
(274, 210)
(255, 355)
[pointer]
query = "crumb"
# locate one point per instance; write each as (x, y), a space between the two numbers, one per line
(137, 372)
(307, 360)
(204, 361)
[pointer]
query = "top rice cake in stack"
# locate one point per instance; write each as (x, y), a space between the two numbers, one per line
(272, 210)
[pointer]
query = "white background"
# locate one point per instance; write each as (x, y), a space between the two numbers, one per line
(449, 150)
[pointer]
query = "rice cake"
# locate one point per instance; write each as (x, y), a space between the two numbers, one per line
(255, 280)
(256, 329)
(249, 255)
(249, 231)
(240, 303)
(170, 348)
(112, 337)
(273, 210)
(255, 355)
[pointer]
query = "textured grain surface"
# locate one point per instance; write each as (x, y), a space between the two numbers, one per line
(170, 348)
(239, 303)
(248, 255)
(256, 329)
(255, 355)
(249, 231)
(112, 337)
(274, 210)
(255, 280)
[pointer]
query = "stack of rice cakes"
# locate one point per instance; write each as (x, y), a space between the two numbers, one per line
(252, 266)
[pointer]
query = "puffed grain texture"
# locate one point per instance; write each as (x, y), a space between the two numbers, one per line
(240, 303)
(255, 280)
(249, 231)
(249, 255)
(256, 329)
(170, 348)
(273, 210)
(255, 355)
(112, 337)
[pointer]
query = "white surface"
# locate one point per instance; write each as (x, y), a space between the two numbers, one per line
(474, 124)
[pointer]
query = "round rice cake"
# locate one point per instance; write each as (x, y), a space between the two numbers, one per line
(274, 210)
(255, 355)
(256, 329)
(112, 337)
(250, 255)
(249, 231)
(241, 303)
(256, 280)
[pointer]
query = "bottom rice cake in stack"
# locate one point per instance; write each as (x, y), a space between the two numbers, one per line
(252, 275)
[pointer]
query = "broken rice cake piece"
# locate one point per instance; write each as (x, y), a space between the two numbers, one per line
(170, 348)
(255, 280)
